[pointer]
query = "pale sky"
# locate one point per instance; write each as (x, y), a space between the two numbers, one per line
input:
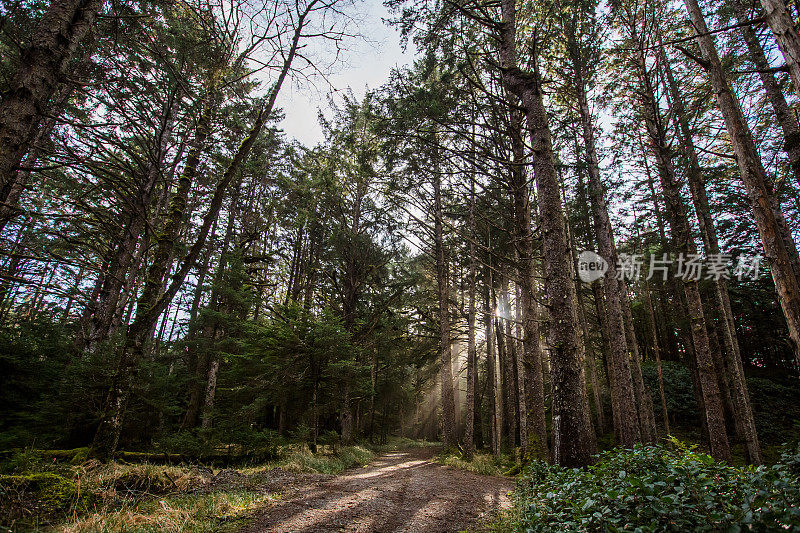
(366, 64)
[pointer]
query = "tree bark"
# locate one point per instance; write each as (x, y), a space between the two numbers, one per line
(644, 401)
(683, 243)
(491, 375)
(740, 397)
(469, 422)
(651, 320)
(534, 414)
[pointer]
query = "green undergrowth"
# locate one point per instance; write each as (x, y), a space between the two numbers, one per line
(654, 489)
(482, 463)
(302, 460)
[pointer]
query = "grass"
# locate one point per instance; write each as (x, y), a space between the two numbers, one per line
(149, 497)
(217, 511)
(482, 463)
(302, 460)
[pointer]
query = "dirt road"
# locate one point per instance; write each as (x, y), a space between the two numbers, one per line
(405, 491)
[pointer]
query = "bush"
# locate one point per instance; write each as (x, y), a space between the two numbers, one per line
(652, 488)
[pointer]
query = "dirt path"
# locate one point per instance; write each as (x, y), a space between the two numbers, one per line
(401, 491)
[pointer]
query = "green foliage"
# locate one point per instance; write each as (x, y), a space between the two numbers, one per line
(32, 355)
(657, 488)
(678, 391)
(776, 408)
(775, 401)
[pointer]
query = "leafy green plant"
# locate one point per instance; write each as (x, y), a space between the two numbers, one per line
(654, 488)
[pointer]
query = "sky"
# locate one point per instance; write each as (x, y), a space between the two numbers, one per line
(366, 63)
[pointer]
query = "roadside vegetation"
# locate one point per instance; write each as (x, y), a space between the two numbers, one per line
(64, 491)
(654, 488)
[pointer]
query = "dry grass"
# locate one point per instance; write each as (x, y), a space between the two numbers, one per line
(200, 512)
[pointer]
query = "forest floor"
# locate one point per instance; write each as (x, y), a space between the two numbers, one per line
(404, 491)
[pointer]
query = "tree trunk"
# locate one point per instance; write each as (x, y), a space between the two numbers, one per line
(211, 389)
(651, 320)
(519, 367)
(784, 115)
(535, 423)
(683, 243)
(472, 368)
(647, 420)
(740, 398)
(572, 440)
(491, 375)
(445, 354)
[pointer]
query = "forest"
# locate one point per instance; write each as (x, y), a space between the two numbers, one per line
(546, 274)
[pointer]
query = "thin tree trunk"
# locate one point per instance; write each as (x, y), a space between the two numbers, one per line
(522, 405)
(783, 114)
(572, 439)
(507, 351)
(469, 422)
(782, 26)
(591, 361)
(740, 397)
(535, 423)
(647, 420)
(445, 354)
(623, 395)
(657, 355)
(211, 389)
(683, 243)
(491, 375)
